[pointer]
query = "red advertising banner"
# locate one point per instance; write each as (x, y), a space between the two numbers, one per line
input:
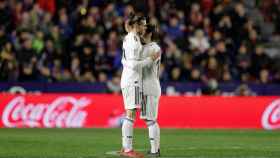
(102, 110)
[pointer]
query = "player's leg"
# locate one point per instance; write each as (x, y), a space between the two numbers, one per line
(154, 135)
(149, 113)
(127, 130)
(131, 102)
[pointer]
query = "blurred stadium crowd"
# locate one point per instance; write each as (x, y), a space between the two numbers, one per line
(80, 40)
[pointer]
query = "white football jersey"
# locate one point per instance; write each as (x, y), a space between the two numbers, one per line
(150, 74)
(132, 49)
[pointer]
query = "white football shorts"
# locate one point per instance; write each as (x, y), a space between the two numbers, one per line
(131, 97)
(149, 107)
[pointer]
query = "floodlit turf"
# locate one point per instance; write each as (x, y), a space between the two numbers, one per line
(91, 143)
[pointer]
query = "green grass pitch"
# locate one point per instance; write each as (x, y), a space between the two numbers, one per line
(175, 143)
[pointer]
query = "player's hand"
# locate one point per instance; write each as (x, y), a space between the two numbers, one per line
(155, 56)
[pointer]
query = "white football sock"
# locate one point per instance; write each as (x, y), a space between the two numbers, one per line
(158, 137)
(154, 132)
(127, 134)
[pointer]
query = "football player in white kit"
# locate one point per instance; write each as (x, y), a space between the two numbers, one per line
(151, 90)
(131, 79)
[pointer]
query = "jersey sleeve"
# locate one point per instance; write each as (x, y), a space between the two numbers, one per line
(137, 64)
(147, 62)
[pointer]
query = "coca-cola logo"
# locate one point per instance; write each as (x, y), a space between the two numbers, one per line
(271, 116)
(65, 111)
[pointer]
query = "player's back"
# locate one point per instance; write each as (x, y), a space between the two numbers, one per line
(132, 49)
(151, 85)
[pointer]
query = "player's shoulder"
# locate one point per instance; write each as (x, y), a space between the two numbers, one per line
(132, 37)
(126, 37)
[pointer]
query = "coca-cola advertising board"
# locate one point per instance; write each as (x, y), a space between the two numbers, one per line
(104, 110)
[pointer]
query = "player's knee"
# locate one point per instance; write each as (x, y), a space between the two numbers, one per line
(150, 122)
(130, 114)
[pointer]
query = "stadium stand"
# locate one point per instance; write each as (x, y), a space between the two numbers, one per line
(54, 41)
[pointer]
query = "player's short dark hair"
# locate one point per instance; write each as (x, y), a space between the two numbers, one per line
(152, 29)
